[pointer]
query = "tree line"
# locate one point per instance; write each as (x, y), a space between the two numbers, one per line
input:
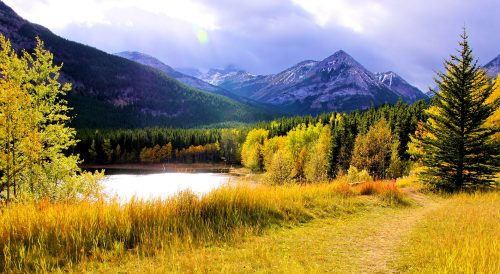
(225, 144)
(311, 152)
(160, 145)
(455, 139)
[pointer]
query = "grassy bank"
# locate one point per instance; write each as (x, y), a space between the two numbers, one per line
(462, 236)
(47, 237)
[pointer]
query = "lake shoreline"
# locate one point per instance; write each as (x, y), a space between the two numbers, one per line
(161, 168)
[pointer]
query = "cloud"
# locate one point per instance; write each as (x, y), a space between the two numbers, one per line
(409, 37)
(59, 14)
(359, 16)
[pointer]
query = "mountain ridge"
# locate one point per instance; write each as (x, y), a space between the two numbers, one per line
(493, 67)
(336, 83)
(141, 95)
(191, 81)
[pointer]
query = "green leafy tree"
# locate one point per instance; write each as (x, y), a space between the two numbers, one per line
(230, 143)
(279, 168)
(108, 150)
(397, 167)
(456, 146)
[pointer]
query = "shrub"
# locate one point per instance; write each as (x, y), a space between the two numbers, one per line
(356, 176)
(387, 191)
(279, 170)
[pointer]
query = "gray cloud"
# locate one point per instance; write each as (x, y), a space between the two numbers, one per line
(409, 37)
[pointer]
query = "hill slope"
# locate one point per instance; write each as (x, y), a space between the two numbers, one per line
(186, 79)
(125, 93)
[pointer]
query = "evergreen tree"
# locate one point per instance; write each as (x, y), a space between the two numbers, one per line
(456, 147)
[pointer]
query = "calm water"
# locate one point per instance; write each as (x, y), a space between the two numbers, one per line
(161, 185)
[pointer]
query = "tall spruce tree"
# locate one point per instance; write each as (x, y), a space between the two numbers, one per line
(456, 147)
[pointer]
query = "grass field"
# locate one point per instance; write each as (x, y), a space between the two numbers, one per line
(47, 237)
(462, 236)
(328, 227)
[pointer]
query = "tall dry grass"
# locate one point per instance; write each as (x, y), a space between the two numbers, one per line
(462, 236)
(387, 190)
(47, 236)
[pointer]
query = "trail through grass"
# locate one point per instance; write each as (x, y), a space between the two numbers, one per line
(321, 228)
(365, 242)
(380, 248)
(462, 236)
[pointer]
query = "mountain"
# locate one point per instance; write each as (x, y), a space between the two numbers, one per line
(493, 67)
(191, 72)
(230, 78)
(110, 91)
(408, 92)
(186, 79)
(337, 83)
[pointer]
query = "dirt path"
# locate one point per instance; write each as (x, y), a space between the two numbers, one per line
(379, 249)
(362, 243)
(365, 242)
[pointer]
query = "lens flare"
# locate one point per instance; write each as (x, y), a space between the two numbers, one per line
(202, 36)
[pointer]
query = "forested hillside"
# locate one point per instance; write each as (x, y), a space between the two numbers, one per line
(110, 91)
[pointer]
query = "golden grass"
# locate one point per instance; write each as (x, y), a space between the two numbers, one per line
(462, 236)
(387, 190)
(48, 237)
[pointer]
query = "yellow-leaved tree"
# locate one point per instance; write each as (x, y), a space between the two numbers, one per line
(252, 149)
(34, 137)
(494, 119)
(372, 151)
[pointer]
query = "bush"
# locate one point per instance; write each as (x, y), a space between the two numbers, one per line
(387, 191)
(279, 169)
(412, 180)
(356, 176)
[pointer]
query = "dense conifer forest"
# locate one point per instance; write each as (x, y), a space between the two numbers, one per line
(163, 145)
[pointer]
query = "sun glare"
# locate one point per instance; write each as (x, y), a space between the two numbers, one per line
(202, 36)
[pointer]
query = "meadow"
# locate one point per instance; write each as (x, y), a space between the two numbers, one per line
(49, 236)
(461, 236)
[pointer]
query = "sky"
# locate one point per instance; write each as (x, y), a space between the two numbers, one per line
(411, 37)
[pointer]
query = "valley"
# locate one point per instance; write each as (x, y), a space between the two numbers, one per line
(128, 146)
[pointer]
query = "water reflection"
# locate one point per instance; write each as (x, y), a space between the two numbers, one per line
(161, 185)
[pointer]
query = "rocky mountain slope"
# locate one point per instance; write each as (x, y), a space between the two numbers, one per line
(184, 78)
(493, 67)
(337, 83)
(110, 91)
(398, 84)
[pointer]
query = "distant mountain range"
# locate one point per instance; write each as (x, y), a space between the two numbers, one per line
(303, 88)
(110, 91)
(132, 89)
(337, 83)
(184, 78)
(493, 67)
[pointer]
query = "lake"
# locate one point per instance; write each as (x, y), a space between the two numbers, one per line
(161, 185)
